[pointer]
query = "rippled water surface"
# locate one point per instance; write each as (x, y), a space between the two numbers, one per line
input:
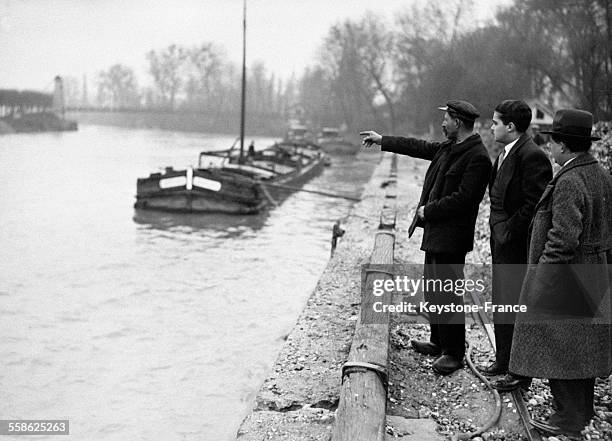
(137, 325)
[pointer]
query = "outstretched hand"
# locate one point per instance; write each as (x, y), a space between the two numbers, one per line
(370, 138)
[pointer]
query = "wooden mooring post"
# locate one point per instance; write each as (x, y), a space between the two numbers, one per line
(361, 414)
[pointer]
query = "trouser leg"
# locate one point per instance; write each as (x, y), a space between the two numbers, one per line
(447, 328)
(573, 400)
(503, 344)
(507, 284)
(434, 323)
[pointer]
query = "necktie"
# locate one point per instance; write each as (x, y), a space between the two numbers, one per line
(501, 158)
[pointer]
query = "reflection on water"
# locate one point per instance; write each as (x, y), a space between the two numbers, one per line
(139, 324)
(226, 225)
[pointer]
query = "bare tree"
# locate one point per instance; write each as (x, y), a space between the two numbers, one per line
(166, 68)
(315, 91)
(72, 91)
(117, 87)
(377, 54)
(204, 68)
(569, 45)
(257, 88)
(340, 59)
(429, 64)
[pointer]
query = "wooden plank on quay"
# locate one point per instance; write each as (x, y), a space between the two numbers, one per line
(361, 413)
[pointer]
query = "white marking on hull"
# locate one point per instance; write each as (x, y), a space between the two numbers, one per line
(189, 185)
(177, 181)
(207, 184)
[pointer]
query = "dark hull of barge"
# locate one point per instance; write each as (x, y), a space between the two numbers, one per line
(239, 189)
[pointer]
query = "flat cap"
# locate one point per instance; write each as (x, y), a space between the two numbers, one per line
(462, 109)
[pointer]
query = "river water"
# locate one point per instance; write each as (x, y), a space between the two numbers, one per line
(141, 325)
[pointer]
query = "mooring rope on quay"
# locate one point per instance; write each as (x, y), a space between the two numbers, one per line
(361, 413)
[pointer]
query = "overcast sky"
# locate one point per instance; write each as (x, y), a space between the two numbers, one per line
(43, 38)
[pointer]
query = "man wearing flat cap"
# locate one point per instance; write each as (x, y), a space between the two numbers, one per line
(566, 334)
(454, 185)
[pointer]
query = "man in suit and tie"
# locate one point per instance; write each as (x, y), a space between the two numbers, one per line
(518, 179)
(454, 185)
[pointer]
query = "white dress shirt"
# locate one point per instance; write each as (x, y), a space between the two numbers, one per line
(507, 149)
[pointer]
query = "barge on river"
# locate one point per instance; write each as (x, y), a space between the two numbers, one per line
(227, 182)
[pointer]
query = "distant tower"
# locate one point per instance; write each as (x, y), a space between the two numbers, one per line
(58, 97)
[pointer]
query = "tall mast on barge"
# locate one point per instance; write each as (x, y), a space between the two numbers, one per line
(243, 95)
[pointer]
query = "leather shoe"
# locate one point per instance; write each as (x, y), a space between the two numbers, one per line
(426, 347)
(509, 383)
(551, 429)
(446, 365)
(493, 369)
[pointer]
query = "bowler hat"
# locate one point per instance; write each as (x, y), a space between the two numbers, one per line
(572, 123)
(462, 109)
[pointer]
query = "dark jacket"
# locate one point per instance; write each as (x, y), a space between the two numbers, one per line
(566, 331)
(514, 190)
(454, 185)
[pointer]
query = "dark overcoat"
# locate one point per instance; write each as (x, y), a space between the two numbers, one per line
(454, 185)
(514, 191)
(566, 331)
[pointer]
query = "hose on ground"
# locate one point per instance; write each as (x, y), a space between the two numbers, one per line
(498, 404)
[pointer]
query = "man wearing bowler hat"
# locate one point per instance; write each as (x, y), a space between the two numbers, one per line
(566, 333)
(454, 185)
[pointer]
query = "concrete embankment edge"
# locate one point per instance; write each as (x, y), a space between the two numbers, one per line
(299, 398)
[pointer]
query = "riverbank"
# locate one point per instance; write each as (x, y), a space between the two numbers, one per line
(36, 122)
(183, 121)
(299, 398)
